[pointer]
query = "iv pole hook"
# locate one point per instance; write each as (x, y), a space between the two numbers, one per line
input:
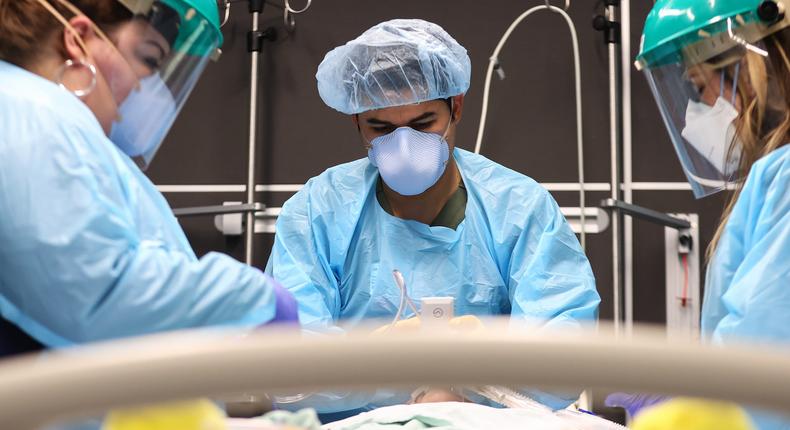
(226, 4)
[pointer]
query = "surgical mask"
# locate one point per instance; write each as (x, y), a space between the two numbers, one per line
(410, 161)
(152, 100)
(711, 130)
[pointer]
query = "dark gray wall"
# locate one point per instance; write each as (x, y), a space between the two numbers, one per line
(530, 126)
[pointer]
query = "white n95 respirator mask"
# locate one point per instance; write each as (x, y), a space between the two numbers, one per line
(408, 160)
(711, 131)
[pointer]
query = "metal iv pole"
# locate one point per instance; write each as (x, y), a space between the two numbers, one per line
(255, 39)
(617, 37)
(610, 27)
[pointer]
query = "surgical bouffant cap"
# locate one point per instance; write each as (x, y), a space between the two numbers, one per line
(395, 63)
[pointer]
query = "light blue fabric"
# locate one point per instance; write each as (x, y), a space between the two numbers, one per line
(394, 63)
(747, 290)
(90, 249)
(514, 253)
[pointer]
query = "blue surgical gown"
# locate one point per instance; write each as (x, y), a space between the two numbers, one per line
(747, 290)
(514, 253)
(89, 248)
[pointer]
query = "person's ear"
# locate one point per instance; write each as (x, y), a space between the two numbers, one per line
(75, 44)
(458, 107)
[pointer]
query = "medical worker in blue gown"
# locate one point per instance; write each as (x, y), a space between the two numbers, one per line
(720, 72)
(89, 249)
(452, 222)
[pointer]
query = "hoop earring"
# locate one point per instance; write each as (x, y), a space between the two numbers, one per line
(77, 64)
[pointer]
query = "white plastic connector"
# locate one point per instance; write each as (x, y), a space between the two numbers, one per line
(230, 224)
(437, 309)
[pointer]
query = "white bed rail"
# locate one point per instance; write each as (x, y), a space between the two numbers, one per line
(182, 365)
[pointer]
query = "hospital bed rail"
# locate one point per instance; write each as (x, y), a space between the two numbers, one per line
(94, 379)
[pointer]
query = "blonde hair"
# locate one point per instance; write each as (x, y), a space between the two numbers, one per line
(764, 122)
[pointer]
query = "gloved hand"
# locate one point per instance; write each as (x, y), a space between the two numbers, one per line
(403, 326)
(634, 403)
(466, 323)
(287, 310)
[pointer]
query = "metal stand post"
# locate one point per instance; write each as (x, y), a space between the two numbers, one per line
(608, 25)
(255, 40)
(626, 66)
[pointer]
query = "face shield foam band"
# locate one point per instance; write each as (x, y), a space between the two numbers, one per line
(166, 21)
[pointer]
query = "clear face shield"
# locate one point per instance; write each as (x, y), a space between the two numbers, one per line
(165, 46)
(169, 45)
(700, 104)
(701, 81)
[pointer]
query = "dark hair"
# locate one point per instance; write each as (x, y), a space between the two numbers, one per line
(448, 101)
(25, 25)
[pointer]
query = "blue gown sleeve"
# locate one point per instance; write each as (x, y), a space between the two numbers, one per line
(747, 294)
(551, 283)
(550, 280)
(300, 261)
(746, 290)
(74, 267)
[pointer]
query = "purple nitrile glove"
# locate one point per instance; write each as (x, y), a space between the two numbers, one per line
(287, 310)
(634, 403)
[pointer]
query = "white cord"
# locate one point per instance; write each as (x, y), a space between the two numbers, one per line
(399, 282)
(493, 63)
(404, 297)
(411, 305)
